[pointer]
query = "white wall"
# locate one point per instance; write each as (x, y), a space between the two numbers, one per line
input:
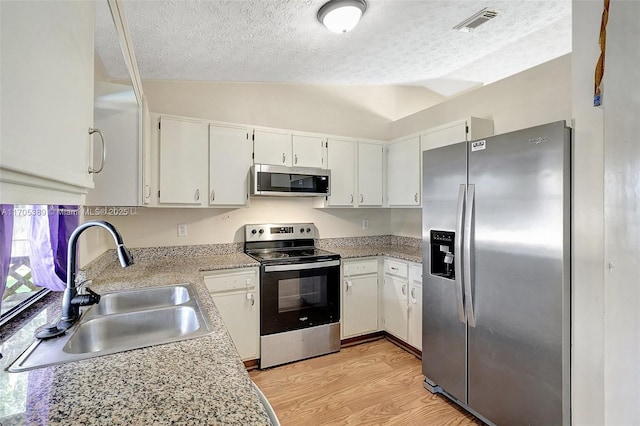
(587, 311)
(536, 96)
(606, 221)
(158, 226)
(358, 111)
(539, 95)
(621, 106)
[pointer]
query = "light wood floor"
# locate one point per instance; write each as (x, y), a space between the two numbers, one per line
(369, 384)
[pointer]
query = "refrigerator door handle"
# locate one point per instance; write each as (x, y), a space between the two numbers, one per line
(466, 258)
(457, 248)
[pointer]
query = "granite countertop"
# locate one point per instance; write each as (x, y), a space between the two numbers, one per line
(198, 381)
(412, 254)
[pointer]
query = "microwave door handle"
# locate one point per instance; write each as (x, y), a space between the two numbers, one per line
(301, 266)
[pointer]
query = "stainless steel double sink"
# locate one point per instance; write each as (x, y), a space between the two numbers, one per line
(123, 320)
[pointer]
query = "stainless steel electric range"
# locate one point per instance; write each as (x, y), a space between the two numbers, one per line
(299, 292)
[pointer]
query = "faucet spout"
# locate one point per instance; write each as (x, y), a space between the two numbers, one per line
(70, 301)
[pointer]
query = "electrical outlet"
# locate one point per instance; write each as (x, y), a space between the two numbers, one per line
(182, 230)
(365, 223)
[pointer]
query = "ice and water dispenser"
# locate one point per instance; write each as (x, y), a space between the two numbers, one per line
(442, 254)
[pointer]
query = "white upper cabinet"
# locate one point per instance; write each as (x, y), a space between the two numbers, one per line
(403, 172)
(229, 161)
(118, 113)
(457, 131)
(309, 151)
(184, 160)
(47, 101)
(341, 160)
(370, 174)
(272, 147)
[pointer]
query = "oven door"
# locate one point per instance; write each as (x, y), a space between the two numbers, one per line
(299, 295)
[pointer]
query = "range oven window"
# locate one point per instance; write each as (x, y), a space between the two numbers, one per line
(298, 298)
(296, 294)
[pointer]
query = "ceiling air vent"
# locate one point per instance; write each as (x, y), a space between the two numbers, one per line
(476, 20)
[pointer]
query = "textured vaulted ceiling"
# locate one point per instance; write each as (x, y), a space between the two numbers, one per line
(406, 42)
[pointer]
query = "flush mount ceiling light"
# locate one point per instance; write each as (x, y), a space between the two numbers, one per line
(340, 16)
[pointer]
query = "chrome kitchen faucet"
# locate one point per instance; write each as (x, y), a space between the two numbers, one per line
(71, 300)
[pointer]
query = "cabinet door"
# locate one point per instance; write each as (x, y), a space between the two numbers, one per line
(360, 305)
(117, 114)
(309, 151)
(403, 173)
(272, 147)
(47, 100)
(240, 312)
(229, 162)
(415, 314)
(183, 161)
(369, 174)
(395, 306)
(341, 156)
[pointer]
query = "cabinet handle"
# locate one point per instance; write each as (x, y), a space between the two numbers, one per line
(250, 297)
(295, 159)
(213, 195)
(284, 158)
(349, 284)
(415, 197)
(197, 195)
(404, 289)
(104, 153)
(393, 268)
(361, 198)
(351, 198)
(147, 191)
(413, 294)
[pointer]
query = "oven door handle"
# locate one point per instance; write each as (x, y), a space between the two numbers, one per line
(301, 266)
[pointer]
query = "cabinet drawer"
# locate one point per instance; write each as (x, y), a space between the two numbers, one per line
(217, 283)
(398, 268)
(360, 267)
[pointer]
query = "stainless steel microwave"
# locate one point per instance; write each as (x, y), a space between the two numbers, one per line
(267, 179)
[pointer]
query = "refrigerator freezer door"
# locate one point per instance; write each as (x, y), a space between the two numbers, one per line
(520, 281)
(444, 338)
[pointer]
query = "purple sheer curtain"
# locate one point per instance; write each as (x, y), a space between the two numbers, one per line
(6, 238)
(48, 237)
(60, 229)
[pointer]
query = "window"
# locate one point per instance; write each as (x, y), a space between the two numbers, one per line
(33, 242)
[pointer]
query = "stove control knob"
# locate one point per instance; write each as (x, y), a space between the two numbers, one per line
(261, 231)
(308, 229)
(302, 230)
(253, 231)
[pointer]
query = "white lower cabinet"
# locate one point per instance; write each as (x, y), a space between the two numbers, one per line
(402, 301)
(360, 297)
(236, 293)
(415, 306)
(394, 298)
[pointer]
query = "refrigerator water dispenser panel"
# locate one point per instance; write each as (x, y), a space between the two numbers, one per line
(442, 254)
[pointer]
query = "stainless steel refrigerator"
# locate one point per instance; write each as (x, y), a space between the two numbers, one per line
(496, 268)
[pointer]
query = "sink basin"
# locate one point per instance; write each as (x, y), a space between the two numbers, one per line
(139, 299)
(129, 319)
(145, 327)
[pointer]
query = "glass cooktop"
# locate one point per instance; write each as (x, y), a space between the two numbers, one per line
(292, 254)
